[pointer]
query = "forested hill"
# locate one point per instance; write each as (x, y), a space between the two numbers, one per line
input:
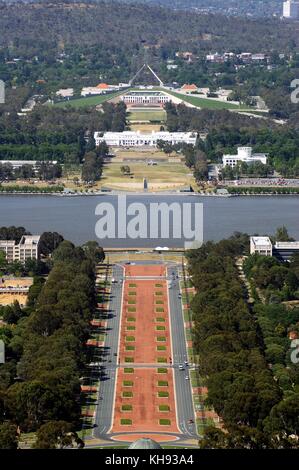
(134, 25)
(257, 8)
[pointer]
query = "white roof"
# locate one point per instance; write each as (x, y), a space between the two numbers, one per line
(30, 239)
(287, 245)
(261, 241)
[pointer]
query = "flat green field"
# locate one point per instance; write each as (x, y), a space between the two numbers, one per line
(88, 101)
(205, 102)
(150, 115)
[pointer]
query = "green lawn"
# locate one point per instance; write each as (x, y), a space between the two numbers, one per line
(165, 422)
(88, 101)
(147, 115)
(205, 102)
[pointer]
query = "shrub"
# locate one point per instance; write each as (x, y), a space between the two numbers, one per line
(161, 359)
(163, 394)
(164, 422)
(126, 421)
(127, 407)
(162, 383)
(130, 338)
(128, 383)
(164, 408)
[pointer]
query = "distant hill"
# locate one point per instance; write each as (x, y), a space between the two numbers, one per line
(138, 25)
(251, 8)
(254, 8)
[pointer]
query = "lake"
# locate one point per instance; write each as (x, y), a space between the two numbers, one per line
(75, 219)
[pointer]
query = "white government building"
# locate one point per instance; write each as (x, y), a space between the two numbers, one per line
(291, 9)
(28, 248)
(261, 246)
(244, 155)
(284, 251)
(138, 139)
(145, 98)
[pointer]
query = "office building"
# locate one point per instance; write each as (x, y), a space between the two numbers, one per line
(244, 155)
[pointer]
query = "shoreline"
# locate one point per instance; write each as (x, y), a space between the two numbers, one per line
(143, 193)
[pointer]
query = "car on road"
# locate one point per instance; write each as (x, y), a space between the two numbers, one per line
(190, 421)
(187, 377)
(186, 363)
(181, 367)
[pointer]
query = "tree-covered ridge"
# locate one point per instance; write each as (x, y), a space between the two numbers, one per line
(40, 381)
(261, 8)
(242, 388)
(123, 26)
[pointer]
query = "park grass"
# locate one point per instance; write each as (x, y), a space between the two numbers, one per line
(128, 370)
(87, 101)
(132, 285)
(126, 422)
(159, 309)
(162, 370)
(163, 394)
(126, 408)
(161, 338)
(162, 383)
(129, 359)
(175, 174)
(130, 338)
(161, 360)
(131, 309)
(160, 328)
(147, 115)
(205, 102)
(164, 422)
(131, 319)
(127, 394)
(130, 348)
(164, 407)
(161, 348)
(128, 383)
(132, 301)
(160, 319)
(130, 328)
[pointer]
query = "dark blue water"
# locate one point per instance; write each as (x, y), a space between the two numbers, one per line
(75, 219)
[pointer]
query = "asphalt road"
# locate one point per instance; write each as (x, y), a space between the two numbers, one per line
(104, 413)
(109, 364)
(185, 410)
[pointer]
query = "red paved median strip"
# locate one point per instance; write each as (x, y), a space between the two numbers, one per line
(134, 437)
(145, 400)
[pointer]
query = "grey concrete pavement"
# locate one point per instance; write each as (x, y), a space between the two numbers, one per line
(185, 410)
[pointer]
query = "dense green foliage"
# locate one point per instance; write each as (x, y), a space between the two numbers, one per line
(234, 354)
(227, 131)
(40, 381)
